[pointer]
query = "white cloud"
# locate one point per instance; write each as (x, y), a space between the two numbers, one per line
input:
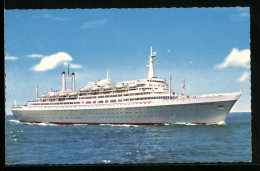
(169, 50)
(243, 77)
(52, 61)
(51, 17)
(236, 59)
(93, 24)
(75, 66)
(35, 56)
(11, 57)
(242, 15)
(54, 18)
(242, 8)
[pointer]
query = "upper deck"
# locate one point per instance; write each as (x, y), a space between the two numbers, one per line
(106, 91)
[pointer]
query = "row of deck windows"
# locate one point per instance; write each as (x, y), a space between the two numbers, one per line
(131, 99)
(156, 81)
(116, 95)
(106, 101)
(55, 103)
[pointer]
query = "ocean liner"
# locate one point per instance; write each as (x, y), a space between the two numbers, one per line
(140, 102)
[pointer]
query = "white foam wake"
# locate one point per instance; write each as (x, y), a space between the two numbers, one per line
(15, 121)
(106, 161)
(40, 124)
(126, 125)
(46, 124)
(80, 124)
(137, 125)
(184, 123)
(222, 123)
(27, 123)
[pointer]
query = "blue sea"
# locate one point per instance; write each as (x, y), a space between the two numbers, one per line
(126, 144)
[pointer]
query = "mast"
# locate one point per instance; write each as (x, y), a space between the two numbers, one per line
(183, 85)
(107, 74)
(73, 82)
(170, 80)
(36, 95)
(151, 61)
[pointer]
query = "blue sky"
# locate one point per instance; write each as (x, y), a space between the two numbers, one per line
(207, 46)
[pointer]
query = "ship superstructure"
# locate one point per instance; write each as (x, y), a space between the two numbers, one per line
(143, 101)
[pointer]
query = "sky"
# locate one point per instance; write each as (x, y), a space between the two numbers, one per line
(209, 47)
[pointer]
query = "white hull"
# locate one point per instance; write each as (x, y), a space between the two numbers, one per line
(201, 110)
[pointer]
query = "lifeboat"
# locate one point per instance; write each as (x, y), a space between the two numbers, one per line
(44, 96)
(53, 94)
(83, 89)
(107, 87)
(95, 88)
(62, 94)
(73, 94)
(120, 86)
(132, 85)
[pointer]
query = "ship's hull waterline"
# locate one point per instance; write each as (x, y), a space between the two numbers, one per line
(199, 113)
